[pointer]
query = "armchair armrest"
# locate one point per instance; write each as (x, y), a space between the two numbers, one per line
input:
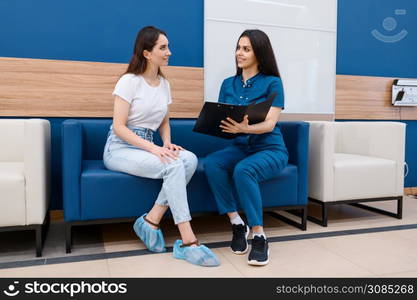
(37, 156)
(296, 140)
(378, 139)
(71, 168)
(321, 160)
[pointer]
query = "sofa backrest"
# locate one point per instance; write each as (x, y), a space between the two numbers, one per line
(295, 134)
(12, 133)
(94, 135)
(199, 144)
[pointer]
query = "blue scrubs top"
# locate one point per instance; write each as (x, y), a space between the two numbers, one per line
(256, 89)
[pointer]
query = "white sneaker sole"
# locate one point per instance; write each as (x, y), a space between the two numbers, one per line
(247, 245)
(259, 263)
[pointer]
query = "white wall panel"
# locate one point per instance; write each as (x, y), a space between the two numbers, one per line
(303, 35)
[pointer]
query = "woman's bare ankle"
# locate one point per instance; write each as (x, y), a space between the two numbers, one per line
(191, 243)
(152, 222)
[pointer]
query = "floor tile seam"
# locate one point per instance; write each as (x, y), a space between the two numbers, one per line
(339, 256)
(231, 262)
(408, 238)
(108, 267)
(73, 259)
(103, 255)
(364, 267)
(118, 254)
(337, 233)
(392, 230)
(395, 273)
(345, 258)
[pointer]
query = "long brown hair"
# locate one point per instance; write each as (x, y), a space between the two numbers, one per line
(145, 40)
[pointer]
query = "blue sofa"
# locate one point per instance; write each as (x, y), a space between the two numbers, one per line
(93, 195)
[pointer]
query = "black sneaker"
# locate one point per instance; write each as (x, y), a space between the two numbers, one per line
(259, 254)
(240, 239)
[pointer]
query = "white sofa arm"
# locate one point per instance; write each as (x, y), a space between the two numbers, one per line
(377, 139)
(37, 151)
(321, 160)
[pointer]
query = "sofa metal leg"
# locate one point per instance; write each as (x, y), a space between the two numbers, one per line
(303, 215)
(68, 237)
(45, 227)
(304, 212)
(356, 203)
(324, 214)
(38, 233)
(400, 207)
(397, 215)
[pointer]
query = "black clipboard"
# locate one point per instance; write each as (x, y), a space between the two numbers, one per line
(213, 113)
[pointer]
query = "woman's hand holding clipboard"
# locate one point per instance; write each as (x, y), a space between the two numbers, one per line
(213, 113)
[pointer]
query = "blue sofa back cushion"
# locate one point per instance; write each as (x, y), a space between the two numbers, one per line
(95, 136)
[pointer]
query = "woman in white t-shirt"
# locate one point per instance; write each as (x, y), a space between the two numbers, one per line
(141, 106)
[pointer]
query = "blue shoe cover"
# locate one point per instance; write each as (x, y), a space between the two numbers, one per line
(198, 255)
(152, 238)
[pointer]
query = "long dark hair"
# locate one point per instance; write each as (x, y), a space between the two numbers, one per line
(264, 53)
(145, 40)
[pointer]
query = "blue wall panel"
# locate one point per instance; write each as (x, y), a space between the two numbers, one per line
(105, 30)
(361, 52)
(98, 30)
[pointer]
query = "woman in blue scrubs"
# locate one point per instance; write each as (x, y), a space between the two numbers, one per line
(257, 155)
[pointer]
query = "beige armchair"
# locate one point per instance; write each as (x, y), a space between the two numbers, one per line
(356, 162)
(24, 176)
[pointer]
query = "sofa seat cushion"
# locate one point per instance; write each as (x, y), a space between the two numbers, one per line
(282, 190)
(361, 177)
(12, 191)
(285, 182)
(109, 194)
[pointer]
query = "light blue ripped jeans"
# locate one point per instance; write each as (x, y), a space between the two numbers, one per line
(123, 157)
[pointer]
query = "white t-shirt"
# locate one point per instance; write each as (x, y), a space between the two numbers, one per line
(148, 104)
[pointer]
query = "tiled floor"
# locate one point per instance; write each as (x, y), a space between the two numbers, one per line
(389, 252)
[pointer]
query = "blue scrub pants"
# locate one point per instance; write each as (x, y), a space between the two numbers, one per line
(242, 168)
